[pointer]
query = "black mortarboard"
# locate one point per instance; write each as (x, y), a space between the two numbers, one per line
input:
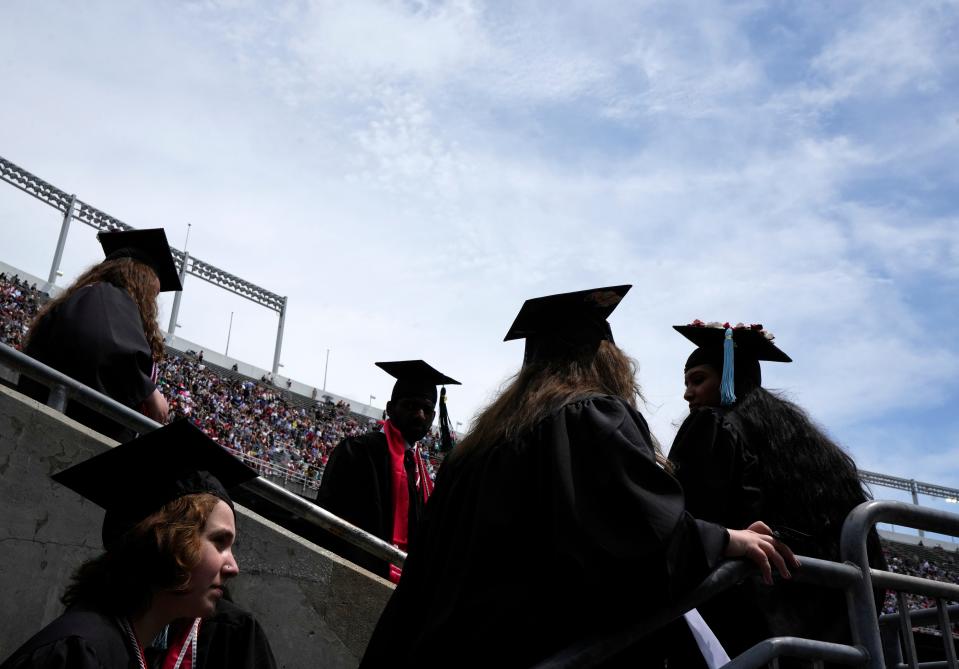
(750, 344)
(135, 479)
(415, 378)
(556, 323)
(149, 247)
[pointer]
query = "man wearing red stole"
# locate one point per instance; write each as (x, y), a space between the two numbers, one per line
(378, 481)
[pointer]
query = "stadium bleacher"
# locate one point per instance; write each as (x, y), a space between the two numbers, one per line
(279, 432)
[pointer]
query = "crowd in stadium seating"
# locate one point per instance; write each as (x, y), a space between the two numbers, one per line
(943, 567)
(251, 417)
(19, 301)
(254, 419)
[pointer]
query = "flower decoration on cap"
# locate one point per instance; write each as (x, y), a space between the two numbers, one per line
(755, 327)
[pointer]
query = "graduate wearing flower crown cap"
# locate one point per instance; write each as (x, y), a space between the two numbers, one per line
(553, 523)
(168, 535)
(378, 481)
(745, 452)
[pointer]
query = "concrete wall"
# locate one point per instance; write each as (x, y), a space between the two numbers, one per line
(317, 609)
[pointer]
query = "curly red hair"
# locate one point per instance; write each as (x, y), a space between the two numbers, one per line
(158, 553)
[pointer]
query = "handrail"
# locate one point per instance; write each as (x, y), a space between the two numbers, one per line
(863, 618)
(64, 388)
(917, 617)
(807, 649)
(854, 576)
(593, 650)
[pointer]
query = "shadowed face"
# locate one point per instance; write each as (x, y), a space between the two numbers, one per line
(412, 416)
(702, 387)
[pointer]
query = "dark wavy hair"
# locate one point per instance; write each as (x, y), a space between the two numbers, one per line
(156, 554)
(807, 480)
(133, 276)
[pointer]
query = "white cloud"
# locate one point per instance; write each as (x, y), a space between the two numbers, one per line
(357, 43)
(409, 173)
(893, 47)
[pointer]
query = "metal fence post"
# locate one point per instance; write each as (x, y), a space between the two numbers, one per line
(863, 618)
(57, 399)
(914, 489)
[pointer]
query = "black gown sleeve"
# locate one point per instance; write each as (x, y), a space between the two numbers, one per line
(67, 653)
(718, 471)
(79, 639)
(618, 506)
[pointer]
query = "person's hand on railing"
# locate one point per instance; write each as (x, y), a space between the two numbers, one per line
(155, 406)
(758, 544)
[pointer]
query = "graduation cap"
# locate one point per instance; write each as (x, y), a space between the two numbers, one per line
(556, 323)
(733, 350)
(415, 378)
(135, 479)
(149, 247)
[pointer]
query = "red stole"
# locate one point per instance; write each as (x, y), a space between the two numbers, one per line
(396, 445)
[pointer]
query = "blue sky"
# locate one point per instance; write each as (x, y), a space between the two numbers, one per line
(409, 172)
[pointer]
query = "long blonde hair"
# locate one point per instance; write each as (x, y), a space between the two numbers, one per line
(542, 387)
(136, 278)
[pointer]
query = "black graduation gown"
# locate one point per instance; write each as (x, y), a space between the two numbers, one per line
(230, 639)
(95, 337)
(566, 532)
(79, 639)
(719, 470)
(233, 639)
(357, 487)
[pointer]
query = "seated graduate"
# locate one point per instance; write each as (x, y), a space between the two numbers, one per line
(168, 533)
(103, 331)
(745, 452)
(553, 519)
(378, 480)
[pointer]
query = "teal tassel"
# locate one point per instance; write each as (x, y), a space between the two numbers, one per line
(727, 389)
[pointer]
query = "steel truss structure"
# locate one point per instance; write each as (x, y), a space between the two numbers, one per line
(74, 208)
(911, 485)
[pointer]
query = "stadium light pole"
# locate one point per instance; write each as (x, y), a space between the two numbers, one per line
(61, 242)
(176, 298)
(229, 331)
(279, 337)
(326, 368)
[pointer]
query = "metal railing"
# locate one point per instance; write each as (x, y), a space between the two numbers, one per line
(863, 618)
(64, 389)
(854, 576)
